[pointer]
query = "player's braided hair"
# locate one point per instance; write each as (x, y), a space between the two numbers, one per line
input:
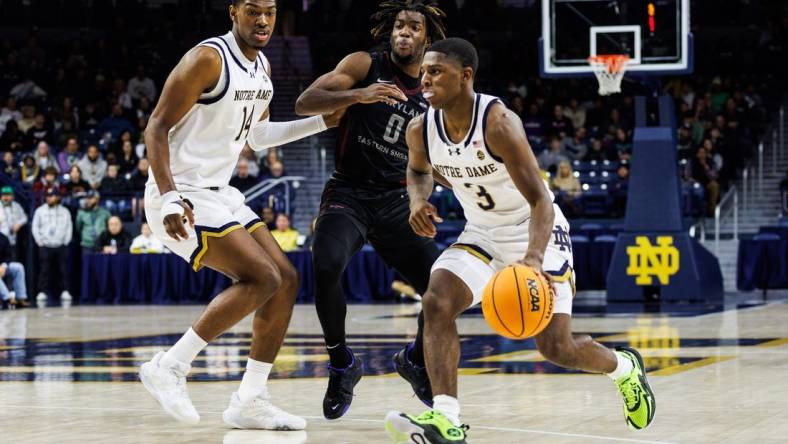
(388, 11)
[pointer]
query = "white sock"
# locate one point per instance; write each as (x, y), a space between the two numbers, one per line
(254, 380)
(623, 368)
(449, 406)
(185, 350)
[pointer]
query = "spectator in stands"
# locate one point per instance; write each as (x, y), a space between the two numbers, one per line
(140, 176)
(268, 217)
(712, 154)
(115, 123)
(28, 118)
(704, 173)
(114, 185)
(70, 155)
(286, 237)
(598, 152)
(622, 145)
(534, 125)
(127, 158)
(567, 185)
(44, 157)
(48, 180)
(9, 113)
(14, 216)
(27, 90)
(29, 171)
(12, 138)
(15, 273)
(243, 180)
(575, 147)
(251, 158)
(559, 124)
(76, 186)
(115, 239)
(141, 86)
(619, 189)
(93, 166)
(282, 195)
(550, 158)
(146, 242)
(576, 113)
(41, 131)
(52, 231)
(91, 222)
(10, 166)
(120, 95)
(271, 156)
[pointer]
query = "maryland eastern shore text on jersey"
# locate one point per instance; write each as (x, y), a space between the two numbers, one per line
(372, 150)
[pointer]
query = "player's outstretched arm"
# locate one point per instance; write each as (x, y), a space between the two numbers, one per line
(266, 134)
(423, 215)
(199, 70)
(334, 90)
(506, 139)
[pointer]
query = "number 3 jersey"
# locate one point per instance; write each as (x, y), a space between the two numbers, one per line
(206, 142)
(478, 178)
(372, 149)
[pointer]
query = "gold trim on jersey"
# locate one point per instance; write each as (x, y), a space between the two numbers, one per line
(204, 234)
(475, 251)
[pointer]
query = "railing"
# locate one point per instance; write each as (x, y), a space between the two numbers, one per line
(262, 187)
(731, 195)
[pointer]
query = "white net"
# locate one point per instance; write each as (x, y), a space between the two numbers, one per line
(609, 71)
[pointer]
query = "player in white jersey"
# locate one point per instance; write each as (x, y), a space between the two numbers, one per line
(214, 102)
(479, 147)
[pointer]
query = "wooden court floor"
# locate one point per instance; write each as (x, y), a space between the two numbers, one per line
(69, 376)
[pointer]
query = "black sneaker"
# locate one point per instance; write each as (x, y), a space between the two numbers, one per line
(339, 394)
(415, 375)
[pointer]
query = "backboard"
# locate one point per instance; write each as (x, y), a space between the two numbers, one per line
(653, 33)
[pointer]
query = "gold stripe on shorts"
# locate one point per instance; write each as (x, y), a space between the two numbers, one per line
(474, 250)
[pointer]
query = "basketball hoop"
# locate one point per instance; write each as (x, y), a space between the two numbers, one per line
(609, 70)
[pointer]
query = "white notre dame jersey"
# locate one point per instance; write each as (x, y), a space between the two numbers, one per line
(478, 178)
(206, 142)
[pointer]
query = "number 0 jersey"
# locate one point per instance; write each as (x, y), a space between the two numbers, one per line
(372, 151)
(479, 179)
(206, 142)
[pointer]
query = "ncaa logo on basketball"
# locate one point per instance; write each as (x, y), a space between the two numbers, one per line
(647, 261)
(533, 290)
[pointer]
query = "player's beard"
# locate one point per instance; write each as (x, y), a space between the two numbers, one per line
(413, 57)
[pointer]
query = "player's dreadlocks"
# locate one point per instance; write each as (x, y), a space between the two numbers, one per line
(385, 17)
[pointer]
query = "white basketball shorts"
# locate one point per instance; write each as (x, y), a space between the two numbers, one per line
(217, 211)
(482, 251)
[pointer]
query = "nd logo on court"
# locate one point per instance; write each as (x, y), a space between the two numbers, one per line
(647, 261)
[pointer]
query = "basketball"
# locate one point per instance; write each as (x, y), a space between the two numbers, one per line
(517, 302)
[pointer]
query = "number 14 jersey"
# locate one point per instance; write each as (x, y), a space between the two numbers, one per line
(206, 142)
(478, 178)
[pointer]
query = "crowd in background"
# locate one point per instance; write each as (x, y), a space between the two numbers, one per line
(73, 111)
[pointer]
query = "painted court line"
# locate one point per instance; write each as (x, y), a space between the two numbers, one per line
(377, 421)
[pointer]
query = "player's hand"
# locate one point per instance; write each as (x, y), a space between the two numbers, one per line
(381, 92)
(423, 217)
(333, 119)
(536, 264)
(177, 212)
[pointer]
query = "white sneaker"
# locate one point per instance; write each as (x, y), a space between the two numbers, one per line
(41, 297)
(168, 386)
(65, 296)
(260, 413)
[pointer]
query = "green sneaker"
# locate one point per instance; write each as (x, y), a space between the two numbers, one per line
(639, 403)
(429, 427)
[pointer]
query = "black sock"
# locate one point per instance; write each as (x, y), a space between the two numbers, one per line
(416, 349)
(340, 355)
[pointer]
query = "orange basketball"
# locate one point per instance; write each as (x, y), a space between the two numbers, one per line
(517, 302)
